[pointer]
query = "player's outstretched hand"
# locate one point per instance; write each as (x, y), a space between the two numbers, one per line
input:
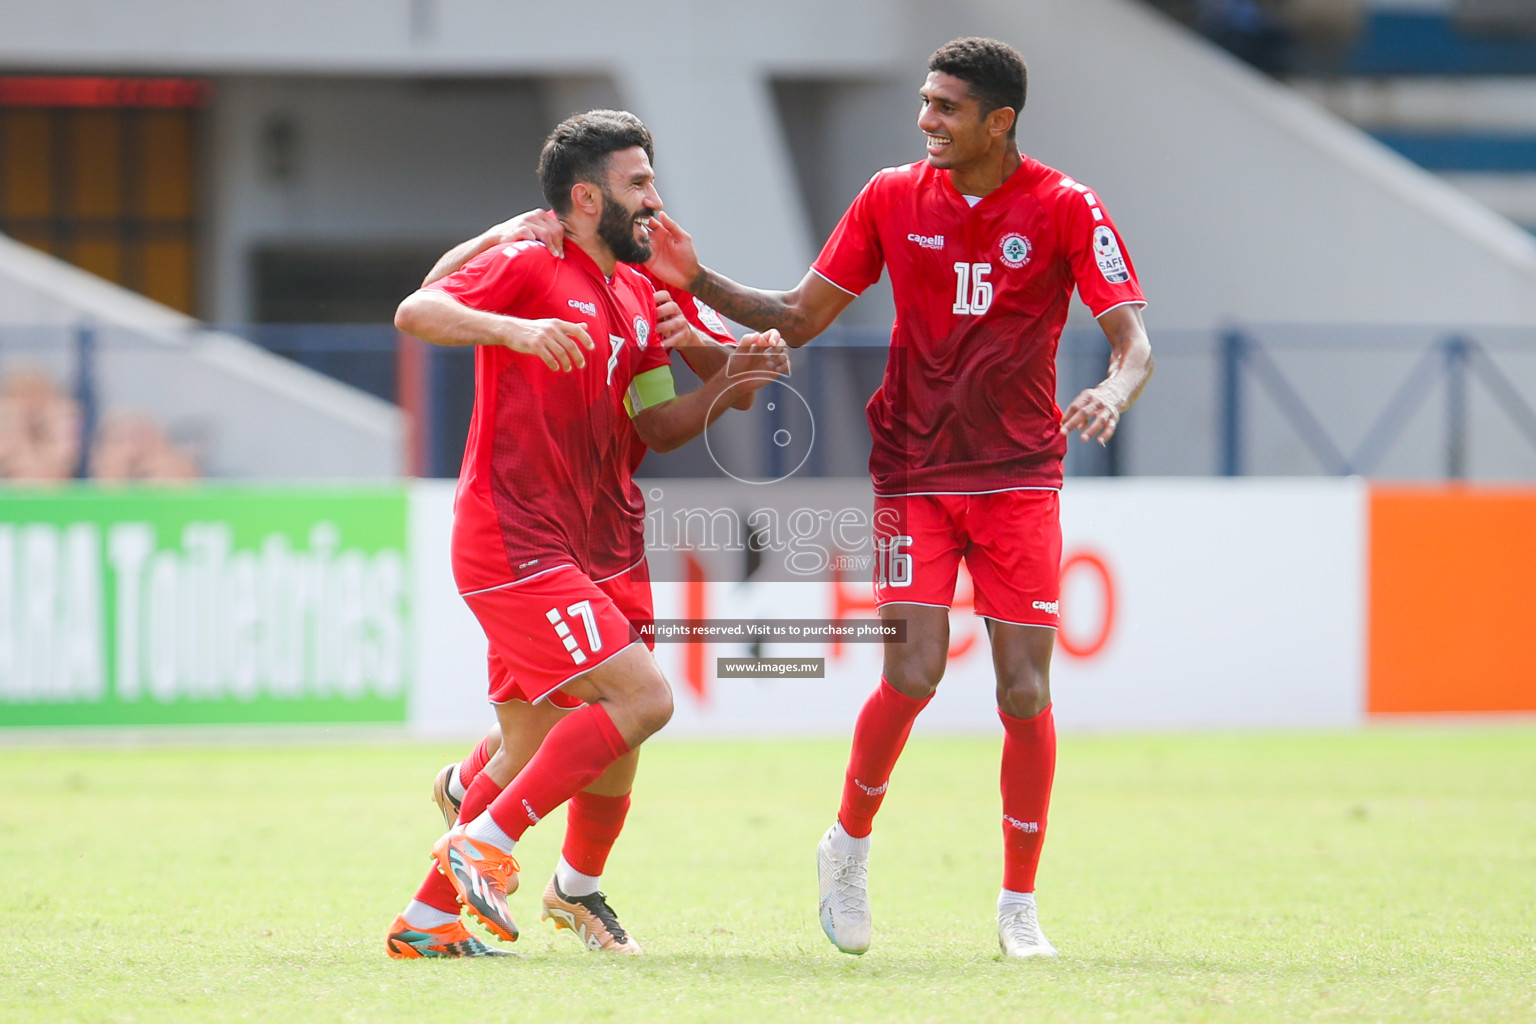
(558, 342)
(672, 327)
(535, 226)
(673, 258)
(759, 359)
(1095, 413)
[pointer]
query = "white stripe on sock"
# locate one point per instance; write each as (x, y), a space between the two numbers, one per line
(1008, 900)
(485, 829)
(847, 845)
(423, 916)
(573, 882)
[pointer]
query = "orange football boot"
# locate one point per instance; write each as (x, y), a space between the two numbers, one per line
(483, 876)
(407, 942)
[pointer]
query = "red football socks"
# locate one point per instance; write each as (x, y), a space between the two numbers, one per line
(576, 751)
(878, 738)
(437, 892)
(481, 792)
(592, 826)
(471, 767)
(1029, 766)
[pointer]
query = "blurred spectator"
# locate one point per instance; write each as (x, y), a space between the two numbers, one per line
(39, 428)
(131, 446)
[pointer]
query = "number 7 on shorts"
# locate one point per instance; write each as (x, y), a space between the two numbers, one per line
(583, 609)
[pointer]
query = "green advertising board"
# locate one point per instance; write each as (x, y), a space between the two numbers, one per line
(201, 606)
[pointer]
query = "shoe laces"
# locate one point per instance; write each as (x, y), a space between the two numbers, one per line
(500, 869)
(597, 903)
(850, 886)
(1023, 927)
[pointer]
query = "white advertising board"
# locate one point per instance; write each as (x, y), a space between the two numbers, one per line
(1185, 604)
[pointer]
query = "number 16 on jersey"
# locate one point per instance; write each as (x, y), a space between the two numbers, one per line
(973, 292)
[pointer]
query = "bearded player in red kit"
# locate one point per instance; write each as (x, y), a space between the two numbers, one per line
(595, 817)
(984, 247)
(561, 344)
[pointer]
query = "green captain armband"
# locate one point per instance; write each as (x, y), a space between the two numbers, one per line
(650, 389)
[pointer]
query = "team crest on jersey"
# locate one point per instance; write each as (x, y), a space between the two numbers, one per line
(1106, 249)
(642, 332)
(1016, 250)
(708, 317)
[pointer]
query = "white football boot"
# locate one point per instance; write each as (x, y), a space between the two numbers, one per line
(1018, 931)
(844, 879)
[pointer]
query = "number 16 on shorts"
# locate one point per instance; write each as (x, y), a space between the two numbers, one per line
(583, 611)
(893, 566)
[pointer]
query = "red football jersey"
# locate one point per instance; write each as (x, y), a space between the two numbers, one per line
(968, 403)
(619, 529)
(546, 448)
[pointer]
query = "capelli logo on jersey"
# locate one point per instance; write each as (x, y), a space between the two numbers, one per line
(1047, 606)
(927, 241)
(589, 308)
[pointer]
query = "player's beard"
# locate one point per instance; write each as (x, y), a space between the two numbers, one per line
(616, 229)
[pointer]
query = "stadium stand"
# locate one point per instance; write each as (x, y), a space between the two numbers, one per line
(1449, 84)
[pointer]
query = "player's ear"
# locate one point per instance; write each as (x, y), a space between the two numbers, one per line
(1000, 121)
(586, 198)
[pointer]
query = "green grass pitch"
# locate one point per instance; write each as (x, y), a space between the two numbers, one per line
(1384, 875)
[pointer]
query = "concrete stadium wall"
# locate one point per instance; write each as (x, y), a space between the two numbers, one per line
(1238, 198)
(372, 165)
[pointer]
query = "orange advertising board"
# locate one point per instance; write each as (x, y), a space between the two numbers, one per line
(1452, 606)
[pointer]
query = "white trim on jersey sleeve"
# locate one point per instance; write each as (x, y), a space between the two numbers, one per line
(511, 249)
(1128, 302)
(833, 283)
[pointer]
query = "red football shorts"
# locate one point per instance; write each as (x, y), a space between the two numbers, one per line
(546, 631)
(1011, 543)
(630, 592)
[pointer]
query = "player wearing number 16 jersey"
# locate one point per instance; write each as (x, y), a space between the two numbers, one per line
(984, 247)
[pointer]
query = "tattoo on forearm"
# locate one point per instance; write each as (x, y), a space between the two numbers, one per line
(758, 310)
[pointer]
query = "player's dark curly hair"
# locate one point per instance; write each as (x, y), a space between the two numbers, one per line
(995, 72)
(578, 150)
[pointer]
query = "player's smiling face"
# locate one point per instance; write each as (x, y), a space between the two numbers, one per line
(630, 200)
(952, 122)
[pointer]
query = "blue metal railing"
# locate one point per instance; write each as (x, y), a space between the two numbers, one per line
(1454, 360)
(1238, 394)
